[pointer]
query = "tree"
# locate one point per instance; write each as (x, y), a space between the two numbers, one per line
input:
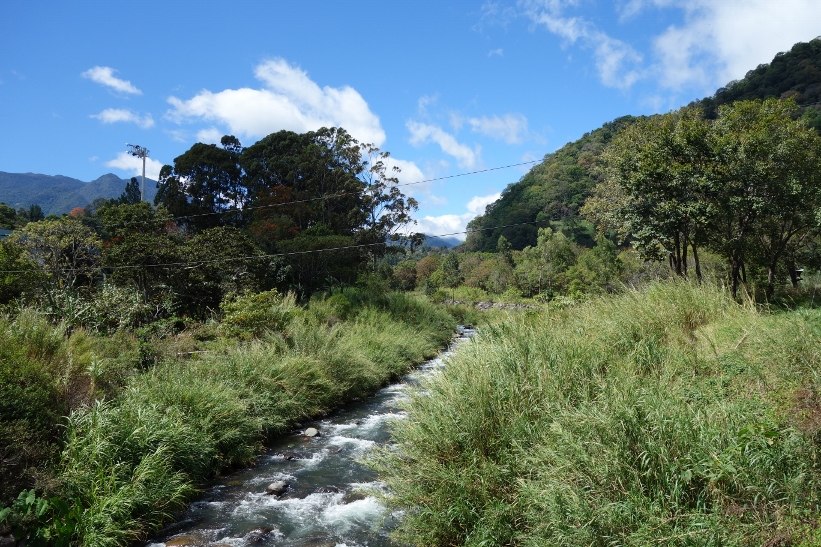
(387, 209)
(505, 250)
(204, 185)
(20, 275)
(324, 189)
(656, 173)
(132, 193)
(35, 213)
(766, 186)
(68, 251)
(448, 274)
(540, 266)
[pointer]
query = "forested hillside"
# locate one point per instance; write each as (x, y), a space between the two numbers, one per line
(554, 190)
(56, 195)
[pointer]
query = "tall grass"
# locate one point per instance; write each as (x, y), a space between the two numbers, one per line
(133, 461)
(668, 416)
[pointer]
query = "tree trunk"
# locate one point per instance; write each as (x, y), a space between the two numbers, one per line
(697, 263)
(793, 273)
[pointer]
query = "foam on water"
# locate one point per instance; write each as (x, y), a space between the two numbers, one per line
(322, 473)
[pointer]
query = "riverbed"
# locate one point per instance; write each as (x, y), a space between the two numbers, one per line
(331, 497)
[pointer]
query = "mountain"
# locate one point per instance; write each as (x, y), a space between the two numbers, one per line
(441, 242)
(57, 194)
(553, 191)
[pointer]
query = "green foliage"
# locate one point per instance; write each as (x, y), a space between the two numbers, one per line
(795, 74)
(67, 249)
(41, 379)
(132, 194)
(254, 314)
(133, 461)
(552, 191)
(631, 420)
(40, 522)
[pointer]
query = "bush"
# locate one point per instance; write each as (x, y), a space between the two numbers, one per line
(255, 313)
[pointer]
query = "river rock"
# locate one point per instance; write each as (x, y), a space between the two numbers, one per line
(351, 497)
(312, 432)
(290, 456)
(333, 449)
(327, 490)
(188, 540)
(277, 488)
(258, 535)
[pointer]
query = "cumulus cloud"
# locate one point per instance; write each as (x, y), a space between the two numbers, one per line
(721, 41)
(455, 224)
(716, 42)
(618, 63)
(115, 115)
(289, 99)
(511, 128)
(212, 135)
(422, 133)
(104, 75)
(134, 165)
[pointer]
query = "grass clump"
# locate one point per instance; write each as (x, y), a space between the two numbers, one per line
(668, 416)
(132, 461)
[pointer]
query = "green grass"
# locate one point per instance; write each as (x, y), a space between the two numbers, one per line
(133, 461)
(669, 416)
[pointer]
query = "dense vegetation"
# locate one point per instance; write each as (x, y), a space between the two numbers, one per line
(154, 413)
(666, 416)
(146, 349)
(551, 194)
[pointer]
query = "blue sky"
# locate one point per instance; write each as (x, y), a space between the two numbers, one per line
(448, 87)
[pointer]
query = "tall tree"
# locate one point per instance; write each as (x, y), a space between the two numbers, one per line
(132, 193)
(766, 187)
(204, 187)
(659, 167)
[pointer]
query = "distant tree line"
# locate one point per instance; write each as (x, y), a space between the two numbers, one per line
(298, 212)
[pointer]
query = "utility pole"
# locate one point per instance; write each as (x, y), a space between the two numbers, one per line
(140, 152)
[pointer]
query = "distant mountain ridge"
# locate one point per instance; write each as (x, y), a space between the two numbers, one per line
(57, 194)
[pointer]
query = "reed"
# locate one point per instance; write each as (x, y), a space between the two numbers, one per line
(668, 416)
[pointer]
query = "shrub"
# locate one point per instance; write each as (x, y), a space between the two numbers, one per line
(255, 313)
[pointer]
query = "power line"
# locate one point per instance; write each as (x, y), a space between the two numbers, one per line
(260, 256)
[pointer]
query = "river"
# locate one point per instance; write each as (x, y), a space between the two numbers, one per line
(330, 500)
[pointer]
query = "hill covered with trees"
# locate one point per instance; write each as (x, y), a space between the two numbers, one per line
(552, 193)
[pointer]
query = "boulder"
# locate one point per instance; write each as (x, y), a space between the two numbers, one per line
(276, 488)
(312, 432)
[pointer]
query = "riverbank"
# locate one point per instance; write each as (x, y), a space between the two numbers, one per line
(133, 460)
(668, 416)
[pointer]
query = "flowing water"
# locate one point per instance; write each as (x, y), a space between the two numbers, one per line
(330, 501)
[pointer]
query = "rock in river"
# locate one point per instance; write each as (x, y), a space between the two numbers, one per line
(277, 488)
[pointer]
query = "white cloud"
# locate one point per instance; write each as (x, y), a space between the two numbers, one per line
(477, 205)
(422, 133)
(511, 128)
(455, 224)
(212, 135)
(721, 41)
(496, 52)
(617, 62)
(289, 100)
(134, 165)
(717, 41)
(115, 115)
(104, 75)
